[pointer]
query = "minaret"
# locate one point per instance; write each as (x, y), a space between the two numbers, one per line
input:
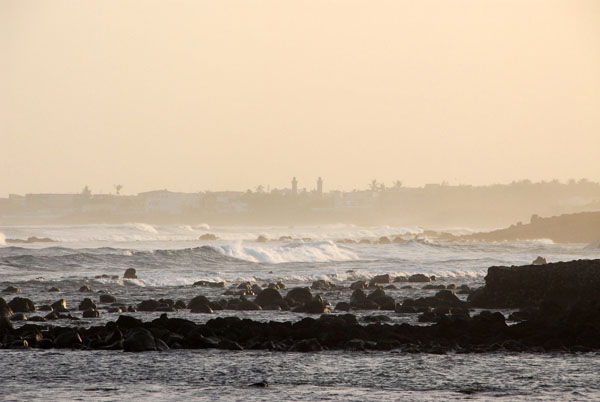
(294, 186)
(320, 186)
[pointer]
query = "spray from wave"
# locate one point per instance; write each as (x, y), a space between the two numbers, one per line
(2, 238)
(323, 251)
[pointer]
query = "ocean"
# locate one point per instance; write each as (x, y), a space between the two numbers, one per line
(169, 259)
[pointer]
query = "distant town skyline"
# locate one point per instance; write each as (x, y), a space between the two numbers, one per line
(313, 186)
(230, 95)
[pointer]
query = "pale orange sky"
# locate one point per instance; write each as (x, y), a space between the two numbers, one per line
(199, 95)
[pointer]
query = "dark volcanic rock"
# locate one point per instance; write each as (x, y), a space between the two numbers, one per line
(87, 304)
(269, 297)
(91, 313)
(378, 279)
(21, 305)
(5, 310)
(139, 340)
(562, 283)
(130, 273)
(299, 295)
(60, 306)
(11, 289)
(68, 339)
(107, 298)
(85, 288)
(419, 278)
(148, 305)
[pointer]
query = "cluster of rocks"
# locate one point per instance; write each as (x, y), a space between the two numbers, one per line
(574, 330)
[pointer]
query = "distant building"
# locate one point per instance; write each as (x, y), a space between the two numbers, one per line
(294, 186)
(163, 201)
(320, 186)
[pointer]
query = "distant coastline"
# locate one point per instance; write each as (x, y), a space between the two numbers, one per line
(432, 206)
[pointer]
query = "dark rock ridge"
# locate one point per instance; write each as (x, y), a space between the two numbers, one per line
(576, 329)
(563, 284)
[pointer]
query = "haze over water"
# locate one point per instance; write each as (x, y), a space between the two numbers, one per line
(98, 98)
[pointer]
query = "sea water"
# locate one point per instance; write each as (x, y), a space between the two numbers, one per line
(170, 258)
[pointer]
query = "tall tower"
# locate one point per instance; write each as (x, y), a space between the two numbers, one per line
(294, 186)
(320, 186)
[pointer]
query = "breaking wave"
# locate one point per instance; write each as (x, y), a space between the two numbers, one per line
(322, 251)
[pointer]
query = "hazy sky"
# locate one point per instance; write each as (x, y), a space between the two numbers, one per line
(212, 95)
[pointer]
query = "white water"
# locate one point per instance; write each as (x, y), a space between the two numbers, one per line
(173, 255)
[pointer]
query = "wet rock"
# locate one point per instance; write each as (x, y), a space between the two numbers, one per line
(11, 289)
(227, 344)
(5, 310)
(358, 285)
(130, 273)
(539, 261)
(384, 301)
(60, 306)
(21, 305)
(68, 339)
(87, 304)
(197, 302)
(359, 300)
(419, 278)
(54, 289)
(208, 236)
(342, 306)
(6, 327)
(315, 306)
(85, 288)
(322, 284)
(139, 340)
(126, 322)
(434, 287)
(379, 279)
(405, 309)
(563, 283)
(261, 239)
(355, 345)
(19, 344)
(262, 384)
(105, 298)
(269, 297)
(299, 295)
(247, 305)
(307, 345)
(401, 278)
(377, 318)
(464, 290)
(200, 308)
(51, 316)
(91, 313)
(18, 317)
(180, 304)
(148, 305)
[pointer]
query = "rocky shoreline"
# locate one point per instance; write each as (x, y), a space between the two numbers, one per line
(559, 312)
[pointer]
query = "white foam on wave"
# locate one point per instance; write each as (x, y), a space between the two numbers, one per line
(322, 251)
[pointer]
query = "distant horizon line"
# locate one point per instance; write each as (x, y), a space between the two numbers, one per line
(373, 186)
